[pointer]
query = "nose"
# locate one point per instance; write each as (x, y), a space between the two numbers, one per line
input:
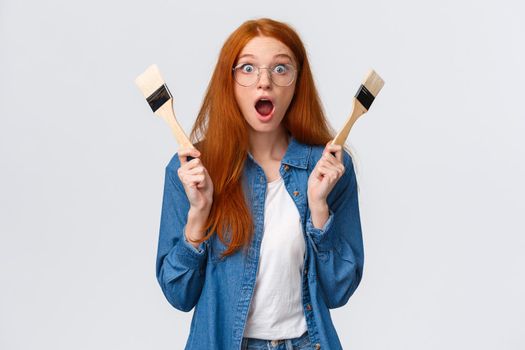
(265, 82)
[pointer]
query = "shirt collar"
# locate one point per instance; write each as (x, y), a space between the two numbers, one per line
(297, 154)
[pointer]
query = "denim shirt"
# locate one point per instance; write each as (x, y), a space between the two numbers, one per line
(221, 289)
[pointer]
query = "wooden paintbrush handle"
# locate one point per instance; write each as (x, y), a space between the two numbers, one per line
(357, 111)
(167, 113)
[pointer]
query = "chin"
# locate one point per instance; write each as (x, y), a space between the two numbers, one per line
(264, 128)
(268, 127)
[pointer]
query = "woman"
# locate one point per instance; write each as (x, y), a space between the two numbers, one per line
(260, 230)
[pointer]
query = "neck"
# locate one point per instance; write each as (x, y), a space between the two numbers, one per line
(269, 146)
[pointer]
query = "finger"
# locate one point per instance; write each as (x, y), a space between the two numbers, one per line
(329, 159)
(192, 164)
(326, 150)
(184, 153)
(187, 171)
(335, 150)
(323, 170)
(337, 166)
(330, 177)
(329, 170)
(198, 170)
(201, 184)
(192, 180)
(333, 173)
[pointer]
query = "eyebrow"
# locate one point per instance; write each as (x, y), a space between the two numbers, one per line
(276, 56)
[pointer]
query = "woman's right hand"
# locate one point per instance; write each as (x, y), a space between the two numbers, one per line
(196, 180)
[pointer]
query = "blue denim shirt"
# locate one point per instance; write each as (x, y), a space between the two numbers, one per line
(221, 289)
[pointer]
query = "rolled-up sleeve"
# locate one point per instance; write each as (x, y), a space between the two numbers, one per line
(338, 245)
(180, 267)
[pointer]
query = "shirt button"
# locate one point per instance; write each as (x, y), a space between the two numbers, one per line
(317, 346)
(296, 193)
(286, 167)
(308, 307)
(305, 271)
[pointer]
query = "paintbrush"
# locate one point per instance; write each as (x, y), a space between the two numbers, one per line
(361, 103)
(159, 98)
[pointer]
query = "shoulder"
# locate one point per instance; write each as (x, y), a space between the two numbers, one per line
(171, 170)
(174, 163)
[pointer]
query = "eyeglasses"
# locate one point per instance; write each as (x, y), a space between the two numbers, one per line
(247, 74)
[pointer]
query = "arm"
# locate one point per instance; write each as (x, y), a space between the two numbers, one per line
(180, 267)
(338, 245)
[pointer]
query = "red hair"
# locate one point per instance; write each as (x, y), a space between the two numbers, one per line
(221, 132)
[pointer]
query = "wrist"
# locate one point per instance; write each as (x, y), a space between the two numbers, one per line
(319, 213)
(318, 206)
(196, 224)
(203, 210)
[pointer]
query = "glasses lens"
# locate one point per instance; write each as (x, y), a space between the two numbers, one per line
(245, 74)
(283, 74)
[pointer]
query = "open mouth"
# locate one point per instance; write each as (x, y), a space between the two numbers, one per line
(264, 107)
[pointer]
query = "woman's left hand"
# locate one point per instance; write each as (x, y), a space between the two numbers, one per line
(325, 175)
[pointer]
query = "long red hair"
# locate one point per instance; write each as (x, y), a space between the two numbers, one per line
(221, 132)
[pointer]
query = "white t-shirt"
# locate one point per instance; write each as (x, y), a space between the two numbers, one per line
(276, 310)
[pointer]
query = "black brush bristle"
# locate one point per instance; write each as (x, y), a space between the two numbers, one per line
(365, 97)
(159, 97)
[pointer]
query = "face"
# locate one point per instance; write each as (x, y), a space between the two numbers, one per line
(264, 104)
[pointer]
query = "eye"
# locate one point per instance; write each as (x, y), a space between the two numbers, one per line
(280, 69)
(247, 68)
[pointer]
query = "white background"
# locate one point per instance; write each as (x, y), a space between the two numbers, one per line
(440, 160)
